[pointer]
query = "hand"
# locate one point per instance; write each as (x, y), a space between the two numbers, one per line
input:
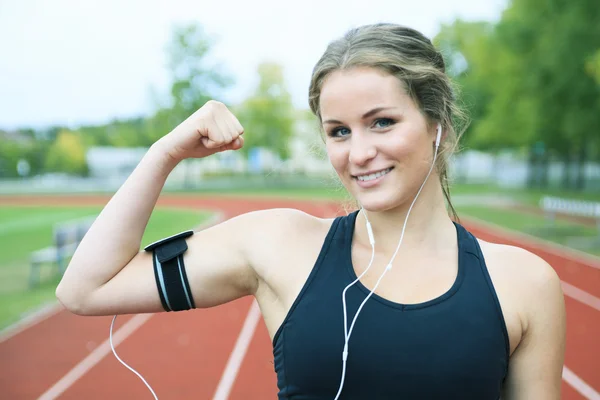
(211, 129)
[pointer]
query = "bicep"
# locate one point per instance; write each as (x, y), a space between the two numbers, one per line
(535, 367)
(215, 263)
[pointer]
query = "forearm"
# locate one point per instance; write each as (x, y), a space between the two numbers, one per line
(115, 237)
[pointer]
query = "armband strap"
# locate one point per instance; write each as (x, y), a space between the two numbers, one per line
(169, 272)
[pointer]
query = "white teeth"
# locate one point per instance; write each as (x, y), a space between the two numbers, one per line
(373, 176)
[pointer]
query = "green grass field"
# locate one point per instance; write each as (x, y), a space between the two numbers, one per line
(583, 238)
(26, 229)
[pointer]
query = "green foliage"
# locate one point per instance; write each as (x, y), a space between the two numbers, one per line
(26, 148)
(268, 115)
(467, 49)
(592, 66)
(10, 153)
(131, 132)
(67, 154)
(194, 80)
(532, 80)
(554, 39)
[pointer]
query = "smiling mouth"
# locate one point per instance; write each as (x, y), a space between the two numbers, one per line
(370, 177)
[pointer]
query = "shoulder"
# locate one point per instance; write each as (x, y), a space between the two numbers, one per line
(276, 232)
(276, 221)
(518, 264)
(530, 278)
(531, 287)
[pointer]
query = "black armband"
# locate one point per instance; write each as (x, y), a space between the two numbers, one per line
(169, 272)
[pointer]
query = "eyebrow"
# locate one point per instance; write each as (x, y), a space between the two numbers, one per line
(365, 116)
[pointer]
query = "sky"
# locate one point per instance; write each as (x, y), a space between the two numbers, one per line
(79, 62)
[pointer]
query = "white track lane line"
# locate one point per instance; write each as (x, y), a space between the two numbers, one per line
(30, 320)
(580, 295)
(569, 376)
(578, 384)
(94, 357)
(237, 355)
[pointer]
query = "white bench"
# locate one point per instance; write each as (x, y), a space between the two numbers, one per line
(66, 237)
(578, 208)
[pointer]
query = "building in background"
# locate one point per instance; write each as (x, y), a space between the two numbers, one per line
(116, 162)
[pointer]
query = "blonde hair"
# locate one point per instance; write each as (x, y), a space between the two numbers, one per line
(409, 56)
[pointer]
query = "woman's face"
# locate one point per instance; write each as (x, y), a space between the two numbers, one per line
(376, 137)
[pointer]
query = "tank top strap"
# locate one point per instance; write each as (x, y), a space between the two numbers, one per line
(479, 273)
(347, 227)
(466, 241)
(324, 265)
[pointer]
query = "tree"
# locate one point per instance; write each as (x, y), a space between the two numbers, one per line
(467, 49)
(126, 133)
(20, 147)
(552, 40)
(484, 70)
(194, 80)
(10, 153)
(531, 80)
(593, 66)
(269, 113)
(67, 154)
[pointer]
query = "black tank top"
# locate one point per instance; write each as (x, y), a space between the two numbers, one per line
(452, 347)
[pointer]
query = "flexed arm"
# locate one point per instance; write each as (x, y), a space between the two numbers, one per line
(109, 275)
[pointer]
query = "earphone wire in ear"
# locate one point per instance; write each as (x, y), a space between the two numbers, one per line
(347, 332)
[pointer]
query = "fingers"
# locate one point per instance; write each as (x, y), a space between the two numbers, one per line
(214, 138)
(218, 129)
(224, 128)
(236, 144)
(236, 125)
(224, 132)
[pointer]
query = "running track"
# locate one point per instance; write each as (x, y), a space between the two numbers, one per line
(225, 352)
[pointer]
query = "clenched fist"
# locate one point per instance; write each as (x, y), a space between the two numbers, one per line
(211, 129)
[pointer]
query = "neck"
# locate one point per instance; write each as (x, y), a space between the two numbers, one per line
(427, 228)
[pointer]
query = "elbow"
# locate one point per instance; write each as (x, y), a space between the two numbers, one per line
(73, 302)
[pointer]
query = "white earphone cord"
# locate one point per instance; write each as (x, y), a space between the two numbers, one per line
(122, 362)
(347, 333)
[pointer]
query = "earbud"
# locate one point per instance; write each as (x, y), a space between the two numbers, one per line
(439, 135)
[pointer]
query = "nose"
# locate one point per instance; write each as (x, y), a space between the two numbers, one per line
(362, 150)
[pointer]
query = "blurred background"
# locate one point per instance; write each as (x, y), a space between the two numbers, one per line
(87, 86)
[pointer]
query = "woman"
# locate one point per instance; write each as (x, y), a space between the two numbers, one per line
(454, 317)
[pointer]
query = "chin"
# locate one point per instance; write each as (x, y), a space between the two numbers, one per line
(377, 201)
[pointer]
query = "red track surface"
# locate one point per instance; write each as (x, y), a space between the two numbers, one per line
(183, 355)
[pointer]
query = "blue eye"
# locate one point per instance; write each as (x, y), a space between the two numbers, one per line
(380, 123)
(384, 122)
(337, 132)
